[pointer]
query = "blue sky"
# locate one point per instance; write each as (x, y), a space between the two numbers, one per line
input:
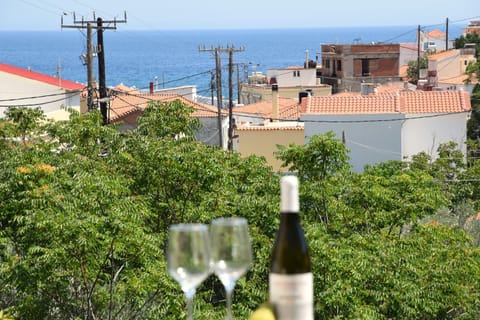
(228, 14)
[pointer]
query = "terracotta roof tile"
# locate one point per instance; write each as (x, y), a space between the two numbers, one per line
(436, 34)
(123, 104)
(441, 55)
(32, 75)
(288, 108)
(405, 102)
(270, 127)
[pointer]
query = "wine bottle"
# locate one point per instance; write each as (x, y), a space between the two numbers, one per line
(291, 278)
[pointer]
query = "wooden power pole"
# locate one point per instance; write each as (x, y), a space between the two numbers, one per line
(218, 66)
(84, 24)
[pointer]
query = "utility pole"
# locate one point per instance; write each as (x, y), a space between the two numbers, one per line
(89, 68)
(418, 53)
(230, 50)
(84, 24)
(446, 33)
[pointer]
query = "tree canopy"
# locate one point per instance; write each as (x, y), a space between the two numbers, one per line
(85, 211)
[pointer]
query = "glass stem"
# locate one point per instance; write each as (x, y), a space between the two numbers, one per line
(189, 298)
(229, 304)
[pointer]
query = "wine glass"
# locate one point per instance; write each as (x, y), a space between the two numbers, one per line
(188, 258)
(231, 253)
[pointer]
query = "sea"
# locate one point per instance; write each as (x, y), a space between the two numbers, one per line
(172, 58)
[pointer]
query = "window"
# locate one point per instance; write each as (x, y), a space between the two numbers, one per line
(327, 63)
(339, 65)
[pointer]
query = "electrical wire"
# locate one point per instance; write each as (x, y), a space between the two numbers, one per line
(39, 96)
(67, 96)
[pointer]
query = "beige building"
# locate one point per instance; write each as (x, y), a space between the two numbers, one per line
(262, 140)
(262, 126)
(292, 82)
(446, 70)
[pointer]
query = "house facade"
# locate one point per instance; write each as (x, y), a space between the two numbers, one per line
(435, 41)
(446, 70)
(126, 106)
(472, 28)
(390, 126)
(23, 87)
(292, 82)
(346, 66)
(263, 139)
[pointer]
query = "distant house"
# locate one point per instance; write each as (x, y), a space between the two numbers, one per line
(292, 82)
(258, 128)
(390, 125)
(346, 66)
(446, 70)
(127, 105)
(435, 41)
(23, 87)
(472, 28)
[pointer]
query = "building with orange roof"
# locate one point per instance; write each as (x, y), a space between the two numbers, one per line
(472, 28)
(346, 66)
(392, 125)
(447, 70)
(435, 41)
(127, 106)
(292, 82)
(259, 130)
(24, 87)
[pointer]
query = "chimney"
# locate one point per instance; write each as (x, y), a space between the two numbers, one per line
(83, 103)
(306, 59)
(151, 87)
(275, 102)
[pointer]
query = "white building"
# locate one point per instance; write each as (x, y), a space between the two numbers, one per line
(435, 41)
(390, 126)
(22, 87)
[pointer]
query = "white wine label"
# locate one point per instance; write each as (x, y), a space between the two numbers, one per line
(292, 295)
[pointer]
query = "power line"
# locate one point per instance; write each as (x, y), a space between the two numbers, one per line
(39, 96)
(67, 96)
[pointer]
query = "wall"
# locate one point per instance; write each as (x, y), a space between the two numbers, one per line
(13, 87)
(427, 132)
(293, 76)
(264, 143)
(253, 94)
(369, 138)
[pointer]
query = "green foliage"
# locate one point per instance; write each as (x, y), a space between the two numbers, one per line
(412, 70)
(474, 38)
(170, 119)
(85, 212)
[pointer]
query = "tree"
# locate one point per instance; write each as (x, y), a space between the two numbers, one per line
(85, 212)
(470, 38)
(373, 261)
(412, 70)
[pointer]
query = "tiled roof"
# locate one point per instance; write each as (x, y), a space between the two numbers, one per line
(271, 127)
(436, 34)
(403, 102)
(288, 108)
(124, 103)
(442, 54)
(32, 75)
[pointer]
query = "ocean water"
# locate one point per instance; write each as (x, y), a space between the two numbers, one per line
(173, 58)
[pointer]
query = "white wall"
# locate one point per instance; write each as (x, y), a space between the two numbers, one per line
(15, 87)
(369, 138)
(427, 132)
(377, 138)
(293, 77)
